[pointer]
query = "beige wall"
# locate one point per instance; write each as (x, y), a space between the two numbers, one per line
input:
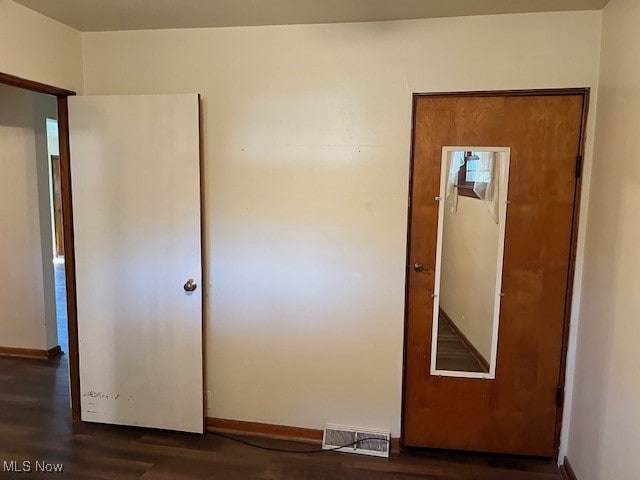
(35, 47)
(306, 152)
(605, 424)
(468, 271)
(27, 298)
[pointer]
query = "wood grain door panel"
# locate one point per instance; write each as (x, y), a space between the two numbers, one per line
(516, 412)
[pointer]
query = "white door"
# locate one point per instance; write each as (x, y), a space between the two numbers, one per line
(136, 218)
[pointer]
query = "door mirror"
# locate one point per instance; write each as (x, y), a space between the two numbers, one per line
(469, 255)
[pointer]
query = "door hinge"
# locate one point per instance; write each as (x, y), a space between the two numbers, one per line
(559, 396)
(579, 166)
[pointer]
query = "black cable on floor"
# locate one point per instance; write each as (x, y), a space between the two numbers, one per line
(285, 450)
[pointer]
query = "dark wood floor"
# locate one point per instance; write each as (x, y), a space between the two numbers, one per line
(35, 425)
(452, 353)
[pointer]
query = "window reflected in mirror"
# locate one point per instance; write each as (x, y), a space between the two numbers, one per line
(471, 225)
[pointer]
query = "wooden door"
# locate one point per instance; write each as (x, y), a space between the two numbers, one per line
(57, 206)
(136, 217)
(516, 411)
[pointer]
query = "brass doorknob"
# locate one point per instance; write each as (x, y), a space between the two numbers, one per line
(418, 267)
(190, 286)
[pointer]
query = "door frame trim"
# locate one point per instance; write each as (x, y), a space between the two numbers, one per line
(62, 95)
(13, 81)
(584, 92)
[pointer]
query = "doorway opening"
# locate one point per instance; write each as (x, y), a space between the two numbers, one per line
(57, 231)
(27, 122)
(40, 320)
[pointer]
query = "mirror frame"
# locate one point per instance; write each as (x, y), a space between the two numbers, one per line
(504, 156)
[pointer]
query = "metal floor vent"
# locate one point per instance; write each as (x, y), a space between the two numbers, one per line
(364, 441)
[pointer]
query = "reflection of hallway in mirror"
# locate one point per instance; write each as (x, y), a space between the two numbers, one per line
(454, 353)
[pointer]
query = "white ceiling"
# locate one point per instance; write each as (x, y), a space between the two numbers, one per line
(105, 15)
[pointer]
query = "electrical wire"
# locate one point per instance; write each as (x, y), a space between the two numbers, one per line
(286, 450)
